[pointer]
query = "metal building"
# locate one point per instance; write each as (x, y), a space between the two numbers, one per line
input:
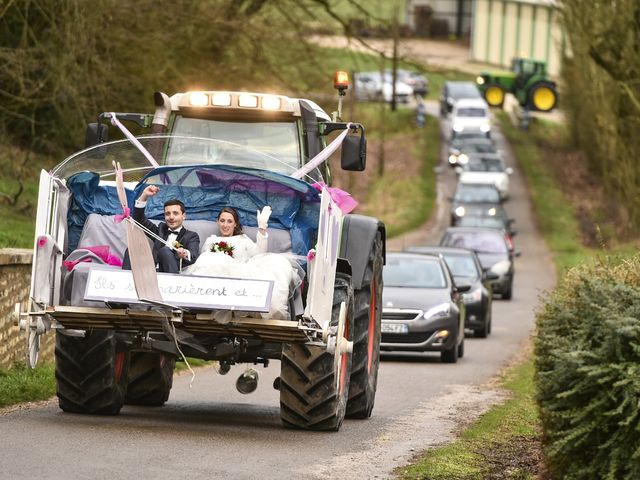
(503, 29)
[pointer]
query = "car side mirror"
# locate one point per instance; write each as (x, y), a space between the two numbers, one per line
(462, 287)
(513, 232)
(354, 152)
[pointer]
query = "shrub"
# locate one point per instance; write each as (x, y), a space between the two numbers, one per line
(588, 372)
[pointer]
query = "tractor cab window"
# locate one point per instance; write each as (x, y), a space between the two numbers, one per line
(278, 141)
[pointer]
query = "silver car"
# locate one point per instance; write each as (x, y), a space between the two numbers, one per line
(422, 308)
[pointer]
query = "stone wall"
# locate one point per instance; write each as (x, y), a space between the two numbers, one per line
(15, 278)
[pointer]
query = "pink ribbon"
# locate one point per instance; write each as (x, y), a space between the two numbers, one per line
(102, 251)
(125, 214)
(343, 199)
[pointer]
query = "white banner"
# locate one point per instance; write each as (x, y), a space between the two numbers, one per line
(111, 285)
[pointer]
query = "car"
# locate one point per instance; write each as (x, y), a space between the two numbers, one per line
(460, 149)
(467, 269)
(492, 250)
(422, 307)
(470, 114)
(478, 199)
(452, 91)
(486, 168)
(418, 82)
(374, 86)
(495, 222)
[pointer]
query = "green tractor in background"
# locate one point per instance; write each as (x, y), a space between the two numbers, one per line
(528, 81)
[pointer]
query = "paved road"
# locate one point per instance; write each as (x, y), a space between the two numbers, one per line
(209, 430)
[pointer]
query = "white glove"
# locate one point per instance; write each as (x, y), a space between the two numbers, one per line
(263, 217)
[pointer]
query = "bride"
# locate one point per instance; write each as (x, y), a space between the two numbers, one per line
(233, 254)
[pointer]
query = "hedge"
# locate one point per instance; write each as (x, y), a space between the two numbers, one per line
(588, 372)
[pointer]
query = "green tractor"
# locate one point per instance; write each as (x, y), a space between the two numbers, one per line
(528, 81)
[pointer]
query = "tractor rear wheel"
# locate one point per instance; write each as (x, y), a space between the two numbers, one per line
(366, 336)
(314, 384)
(494, 95)
(91, 372)
(150, 378)
(543, 97)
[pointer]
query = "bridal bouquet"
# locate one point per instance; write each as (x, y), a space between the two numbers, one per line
(223, 247)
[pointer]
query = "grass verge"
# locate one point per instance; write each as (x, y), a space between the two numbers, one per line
(408, 201)
(21, 384)
(479, 451)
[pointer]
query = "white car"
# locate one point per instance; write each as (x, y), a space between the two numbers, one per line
(470, 115)
(487, 168)
(373, 86)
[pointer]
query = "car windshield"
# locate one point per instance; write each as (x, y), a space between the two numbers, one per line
(463, 90)
(484, 164)
(413, 272)
(474, 112)
(463, 137)
(481, 221)
(483, 241)
(461, 265)
(486, 147)
(471, 193)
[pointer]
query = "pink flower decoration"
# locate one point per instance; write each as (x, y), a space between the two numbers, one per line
(311, 254)
(42, 241)
(125, 214)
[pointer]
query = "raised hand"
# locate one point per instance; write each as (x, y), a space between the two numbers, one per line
(263, 217)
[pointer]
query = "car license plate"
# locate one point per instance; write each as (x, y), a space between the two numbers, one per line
(394, 328)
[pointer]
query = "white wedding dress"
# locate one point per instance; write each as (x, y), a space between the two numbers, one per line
(251, 261)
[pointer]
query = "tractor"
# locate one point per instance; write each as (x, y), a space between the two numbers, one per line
(120, 332)
(528, 81)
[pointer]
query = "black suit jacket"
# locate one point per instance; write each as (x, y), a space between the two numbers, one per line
(189, 240)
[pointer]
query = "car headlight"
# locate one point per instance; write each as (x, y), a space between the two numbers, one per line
(491, 212)
(485, 127)
(439, 311)
(453, 159)
(457, 127)
(463, 159)
(480, 80)
(501, 267)
(474, 296)
(459, 211)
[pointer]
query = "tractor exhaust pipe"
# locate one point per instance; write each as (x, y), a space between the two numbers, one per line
(248, 381)
(163, 112)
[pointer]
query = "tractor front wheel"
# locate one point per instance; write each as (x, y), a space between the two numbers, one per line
(543, 97)
(494, 95)
(366, 336)
(91, 372)
(150, 378)
(314, 383)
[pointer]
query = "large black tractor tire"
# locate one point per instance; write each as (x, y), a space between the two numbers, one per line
(150, 378)
(543, 97)
(313, 392)
(366, 336)
(494, 95)
(91, 373)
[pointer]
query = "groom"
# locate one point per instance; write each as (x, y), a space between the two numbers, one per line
(171, 230)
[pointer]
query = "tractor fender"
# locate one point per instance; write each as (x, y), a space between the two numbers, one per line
(358, 234)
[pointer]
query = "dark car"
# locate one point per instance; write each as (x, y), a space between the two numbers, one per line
(460, 149)
(493, 251)
(476, 200)
(422, 308)
(467, 270)
(496, 222)
(454, 91)
(415, 80)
